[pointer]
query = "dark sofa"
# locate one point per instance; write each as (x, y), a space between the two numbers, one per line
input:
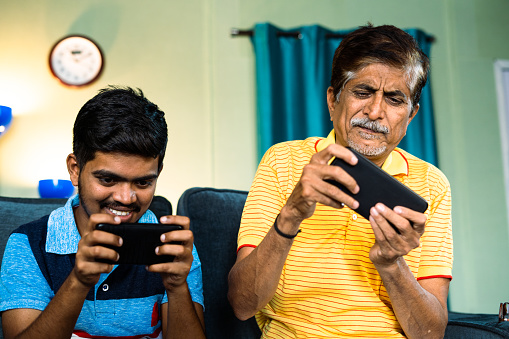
(215, 217)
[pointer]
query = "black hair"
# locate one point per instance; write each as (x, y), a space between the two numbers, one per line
(385, 44)
(122, 120)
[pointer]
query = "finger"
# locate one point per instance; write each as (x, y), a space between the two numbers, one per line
(401, 224)
(398, 232)
(176, 220)
(87, 270)
(333, 196)
(335, 173)
(183, 259)
(339, 175)
(89, 265)
(334, 150)
(381, 252)
(180, 252)
(178, 236)
(95, 249)
(102, 218)
(178, 270)
(313, 179)
(100, 238)
(417, 219)
(385, 235)
(105, 255)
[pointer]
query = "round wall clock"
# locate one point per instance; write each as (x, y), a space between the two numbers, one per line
(76, 60)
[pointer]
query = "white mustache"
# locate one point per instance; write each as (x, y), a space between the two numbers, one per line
(373, 125)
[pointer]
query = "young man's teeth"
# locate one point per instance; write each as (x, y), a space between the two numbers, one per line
(119, 213)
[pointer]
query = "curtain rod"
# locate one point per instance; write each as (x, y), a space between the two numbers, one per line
(235, 32)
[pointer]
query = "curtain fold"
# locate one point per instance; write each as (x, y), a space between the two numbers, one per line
(292, 77)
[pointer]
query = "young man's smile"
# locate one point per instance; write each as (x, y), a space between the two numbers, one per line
(117, 184)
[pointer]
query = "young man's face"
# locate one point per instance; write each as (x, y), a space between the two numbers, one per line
(114, 183)
(373, 111)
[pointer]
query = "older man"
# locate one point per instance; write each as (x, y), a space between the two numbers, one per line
(307, 266)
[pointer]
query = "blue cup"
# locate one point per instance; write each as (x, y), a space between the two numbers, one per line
(53, 188)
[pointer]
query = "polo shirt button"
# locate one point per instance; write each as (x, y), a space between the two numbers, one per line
(354, 217)
(105, 287)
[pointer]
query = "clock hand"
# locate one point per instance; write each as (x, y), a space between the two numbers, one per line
(76, 55)
(80, 55)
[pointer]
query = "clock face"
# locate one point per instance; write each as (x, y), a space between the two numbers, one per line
(76, 60)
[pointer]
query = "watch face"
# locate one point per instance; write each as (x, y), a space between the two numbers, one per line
(76, 60)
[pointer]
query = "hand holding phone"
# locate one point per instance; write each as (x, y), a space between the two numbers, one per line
(376, 186)
(139, 242)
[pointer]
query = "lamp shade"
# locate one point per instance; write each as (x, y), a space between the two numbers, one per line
(55, 188)
(5, 118)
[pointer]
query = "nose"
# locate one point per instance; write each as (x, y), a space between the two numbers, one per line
(125, 194)
(375, 107)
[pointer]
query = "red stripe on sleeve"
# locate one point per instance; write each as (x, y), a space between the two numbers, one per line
(435, 276)
(316, 144)
(246, 245)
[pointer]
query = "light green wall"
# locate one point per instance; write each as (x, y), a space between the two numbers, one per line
(181, 54)
(471, 153)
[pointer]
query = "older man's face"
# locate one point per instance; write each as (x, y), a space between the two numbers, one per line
(373, 111)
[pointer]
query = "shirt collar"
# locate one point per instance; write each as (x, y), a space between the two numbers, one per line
(63, 235)
(395, 163)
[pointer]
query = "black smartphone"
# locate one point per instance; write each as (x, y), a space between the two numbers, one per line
(139, 242)
(376, 186)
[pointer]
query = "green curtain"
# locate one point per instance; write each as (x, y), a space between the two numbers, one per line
(292, 76)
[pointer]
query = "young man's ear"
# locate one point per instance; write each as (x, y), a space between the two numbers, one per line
(73, 168)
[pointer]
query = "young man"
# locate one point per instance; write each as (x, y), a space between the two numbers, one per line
(344, 276)
(54, 282)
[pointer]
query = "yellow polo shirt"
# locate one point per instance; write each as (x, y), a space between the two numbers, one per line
(329, 288)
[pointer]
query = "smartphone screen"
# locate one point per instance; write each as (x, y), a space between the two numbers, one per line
(139, 242)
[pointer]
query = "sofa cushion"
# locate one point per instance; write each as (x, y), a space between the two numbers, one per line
(215, 219)
(18, 211)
